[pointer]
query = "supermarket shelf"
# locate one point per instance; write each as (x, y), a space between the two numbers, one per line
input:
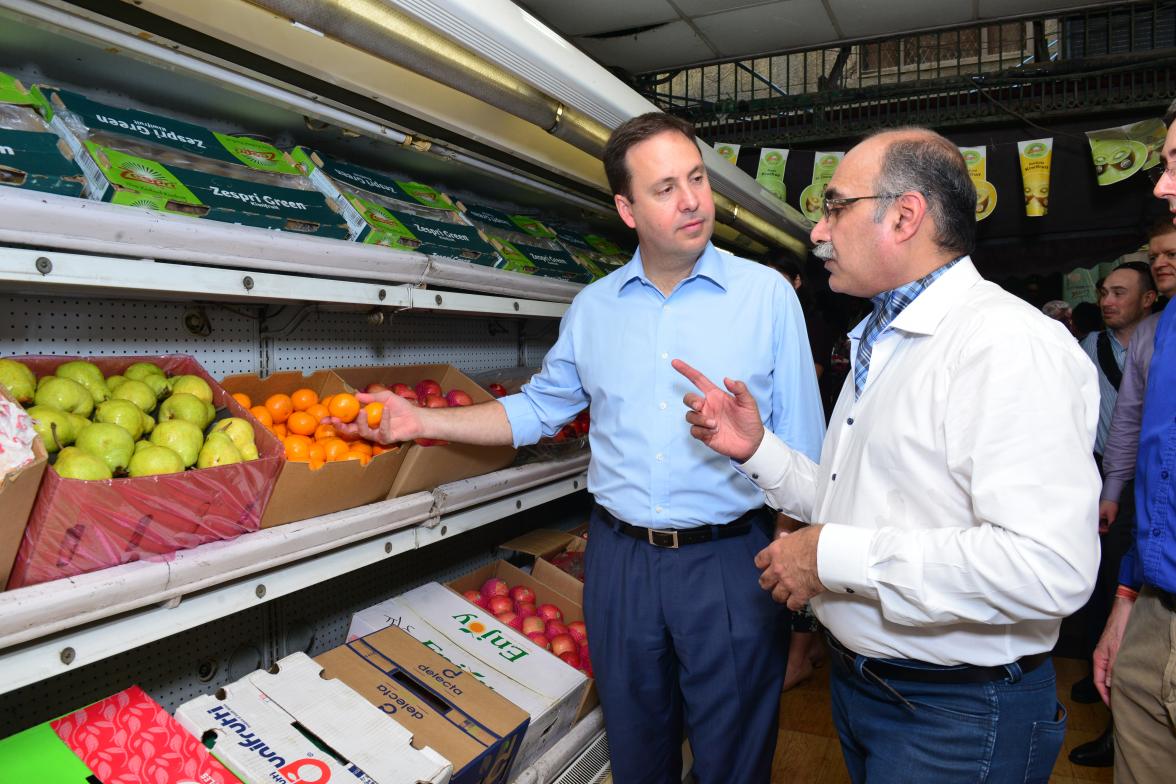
(49, 221)
(71, 274)
(55, 627)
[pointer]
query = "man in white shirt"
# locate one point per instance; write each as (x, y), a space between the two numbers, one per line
(954, 509)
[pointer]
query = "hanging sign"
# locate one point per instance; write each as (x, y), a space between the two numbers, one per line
(770, 173)
(728, 151)
(976, 159)
(811, 198)
(1120, 152)
(1035, 156)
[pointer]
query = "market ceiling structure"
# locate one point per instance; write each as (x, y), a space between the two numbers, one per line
(638, 36)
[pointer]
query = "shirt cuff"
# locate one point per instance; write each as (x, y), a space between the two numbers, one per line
(1112, 489)
(843, 558)
(525, 427)
(767, 465)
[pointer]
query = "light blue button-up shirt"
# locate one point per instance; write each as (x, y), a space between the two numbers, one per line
(730, 317)
(1107, 394)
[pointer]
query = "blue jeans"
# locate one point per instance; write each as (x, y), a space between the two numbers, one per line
(999, 732)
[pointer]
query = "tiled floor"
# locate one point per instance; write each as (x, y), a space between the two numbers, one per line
(808, 752)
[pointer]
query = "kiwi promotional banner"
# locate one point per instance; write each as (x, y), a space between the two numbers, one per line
(824, 164)
(976, 159)
(1035, 157)
(728, 151)
(1120, 152)
(770, 173)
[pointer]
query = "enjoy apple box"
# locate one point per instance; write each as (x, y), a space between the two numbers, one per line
(78, 526)
(292, 723)
(443, 706)
(299, 492)
(18, 490)
(470, 638)
(426, 467)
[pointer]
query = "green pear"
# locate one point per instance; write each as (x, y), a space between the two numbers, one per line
(148, 423)
(142, 444)
(153, 460)
(21, 382)
(138, 393)
(137, 371)
(157, 384)
(79, 423)
(218, 450)
(181, 405)
(249, 451)
(210, 410)
(74, 463)
(237, 429)
(123, 413)
(41, 381)
(53, 426)
(65, 394)
(182, 437)
(88, 375)
(192, 385)
(109, 443)
(112, 382)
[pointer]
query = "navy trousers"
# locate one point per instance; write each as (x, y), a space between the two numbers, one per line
(684, 638)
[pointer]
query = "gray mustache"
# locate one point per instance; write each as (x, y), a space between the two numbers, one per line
(824, 251)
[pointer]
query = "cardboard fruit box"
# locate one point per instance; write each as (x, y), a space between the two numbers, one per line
(78, 526)
(299, 492)
(18, 490)
(443, 706)
(426, 467)
(550, 547)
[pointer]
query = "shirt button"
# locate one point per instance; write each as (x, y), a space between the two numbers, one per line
(657, 509)
(659, 457)
(849, 421)
(662, 405)
(849, 590)
(834, 478)
(755, 476)
(665, 355)
(1155, 532)
(1163, 475)
(666, 307)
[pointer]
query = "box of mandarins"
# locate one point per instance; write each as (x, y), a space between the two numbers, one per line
(322, 473)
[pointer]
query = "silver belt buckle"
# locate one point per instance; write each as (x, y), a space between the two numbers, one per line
(658, 538)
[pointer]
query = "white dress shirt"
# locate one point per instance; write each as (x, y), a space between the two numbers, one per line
(959, 493)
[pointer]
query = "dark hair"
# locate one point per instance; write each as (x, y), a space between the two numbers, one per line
(1170, 115)
(933, 166)
(632, 132)
(1087, 317)
(788, 266)
(1160, 227)
(1146, 282)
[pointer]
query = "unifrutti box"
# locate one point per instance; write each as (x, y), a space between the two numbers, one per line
(162, 163)
(32, 157)
(382, 210)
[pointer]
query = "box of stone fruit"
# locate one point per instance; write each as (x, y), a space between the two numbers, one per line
(149, 455)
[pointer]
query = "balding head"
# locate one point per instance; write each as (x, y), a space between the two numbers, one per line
(920, 160)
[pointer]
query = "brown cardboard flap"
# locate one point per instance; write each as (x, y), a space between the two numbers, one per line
(18, 490)
(559, 580)
(540, 543)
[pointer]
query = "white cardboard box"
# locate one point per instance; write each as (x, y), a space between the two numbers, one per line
(539, 683)
(255, 720)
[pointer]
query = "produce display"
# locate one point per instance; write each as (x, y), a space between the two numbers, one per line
(141, 422)
(31, 155)
(541, 624)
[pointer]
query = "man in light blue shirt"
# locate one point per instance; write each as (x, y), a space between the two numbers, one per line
(681, 635)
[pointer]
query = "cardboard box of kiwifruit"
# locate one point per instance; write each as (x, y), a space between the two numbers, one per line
(382, 210)
(32, 157)
(147, 160)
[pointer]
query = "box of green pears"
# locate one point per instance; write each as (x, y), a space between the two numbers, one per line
(148, 455)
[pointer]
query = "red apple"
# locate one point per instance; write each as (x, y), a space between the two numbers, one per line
(578, 631)
(534, 625)
(427, 387)
(474, 597)
(456, 397)
(563, 643)
(586, 661)
(498, 390)
(435, 401)
(510, 619)
(526, 609)
(540, 640)
(404, 391)
(521, 593)
(549, 612)
(494, 587)
(375, 387)
(499, 605)
(554, 629)
(570, 658)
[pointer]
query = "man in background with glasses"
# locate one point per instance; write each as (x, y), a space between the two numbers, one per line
(954, 507)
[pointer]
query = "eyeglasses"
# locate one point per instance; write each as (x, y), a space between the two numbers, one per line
(830, 206)
(1155, 173)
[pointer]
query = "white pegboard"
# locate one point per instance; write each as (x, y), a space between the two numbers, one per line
(59, 325)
